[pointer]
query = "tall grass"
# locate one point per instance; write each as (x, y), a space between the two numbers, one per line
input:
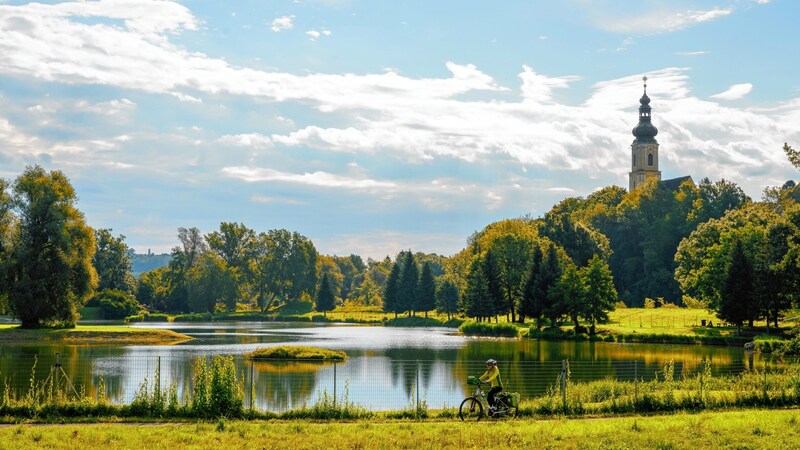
(668, 392)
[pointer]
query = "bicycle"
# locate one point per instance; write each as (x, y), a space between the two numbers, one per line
(472, 408)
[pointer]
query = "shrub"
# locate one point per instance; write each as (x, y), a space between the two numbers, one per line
(488, 329)
(115, 304)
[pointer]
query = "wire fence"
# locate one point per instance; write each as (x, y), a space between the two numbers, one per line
(377, 383)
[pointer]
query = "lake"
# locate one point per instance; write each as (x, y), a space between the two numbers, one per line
(387, 368)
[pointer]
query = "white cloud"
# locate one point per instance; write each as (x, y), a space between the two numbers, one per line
(317, 179)
(314, 34)
(696, 53)
(253, 140)
(660, 21)
(735, 92)
(282, 23)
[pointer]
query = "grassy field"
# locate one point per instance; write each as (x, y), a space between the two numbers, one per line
(90, 335)
(753, 429)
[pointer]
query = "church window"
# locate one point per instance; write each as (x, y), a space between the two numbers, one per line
(634, 159)
(650, 159)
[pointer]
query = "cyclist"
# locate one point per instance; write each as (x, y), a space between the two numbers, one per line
(492, 377)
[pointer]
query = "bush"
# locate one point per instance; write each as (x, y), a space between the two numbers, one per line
(114, 304)
(147, 317)
(488, 329)
(296, 308)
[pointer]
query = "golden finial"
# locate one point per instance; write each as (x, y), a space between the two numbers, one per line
(644, 78)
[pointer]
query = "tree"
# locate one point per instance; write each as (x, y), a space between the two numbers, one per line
(8, 229)
(600, 297)
(326, 301)
(390, 293)
(426, 293)
(529, 306)
(211, 281)
(112, 262)
(792, 154)
(50, 271)
(542, 281)
(285, 268)
(153, 289)
(567, 297)
(409, 279)
(447, 298)
(737, 294)
(491, 272)
(477, 301)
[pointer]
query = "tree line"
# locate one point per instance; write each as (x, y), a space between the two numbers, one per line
(697, 245)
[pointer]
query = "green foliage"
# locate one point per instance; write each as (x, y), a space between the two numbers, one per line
(488, 329)
(426, 290)
(148, 317)
(114, 304)
(600, 296)
(414, 321)
(217, 392)
(792, 154)
(390, 302)
(325, 298)
(49, 273)
(447, 298)
(112, 262)
(296, 352)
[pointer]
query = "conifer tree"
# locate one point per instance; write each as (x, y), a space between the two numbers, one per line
(390, 293)
(325, 298)
(447, 298)
(738, 294)
(409, 279)
(477, 301)
(426, 292)
(528, 306)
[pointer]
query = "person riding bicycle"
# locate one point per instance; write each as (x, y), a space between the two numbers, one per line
(492, 377)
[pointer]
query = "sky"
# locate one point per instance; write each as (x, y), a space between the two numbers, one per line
(374, 126)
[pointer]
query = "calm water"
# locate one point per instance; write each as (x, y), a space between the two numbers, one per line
(387, 368)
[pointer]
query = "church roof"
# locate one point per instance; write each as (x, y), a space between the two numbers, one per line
(674, 183)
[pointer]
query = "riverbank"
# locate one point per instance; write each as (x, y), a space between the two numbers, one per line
(90, 335)
(754, 429)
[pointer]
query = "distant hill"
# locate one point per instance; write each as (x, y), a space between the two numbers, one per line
(142, 263)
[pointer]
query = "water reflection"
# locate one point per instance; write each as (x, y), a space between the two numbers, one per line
(388, 368)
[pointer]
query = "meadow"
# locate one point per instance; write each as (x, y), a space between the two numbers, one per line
(750, 429)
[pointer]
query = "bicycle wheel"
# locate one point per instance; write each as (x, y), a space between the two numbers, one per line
(471, 409)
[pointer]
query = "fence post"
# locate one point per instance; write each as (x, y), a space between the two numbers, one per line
(334, 383)
(766, 396)
(564, 384)
(636, 380)
(157, 388)
(702, 369)
(252, 381)
(416, 384)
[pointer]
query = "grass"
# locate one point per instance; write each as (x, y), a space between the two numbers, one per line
(302, 353)
(752, 429)
(90, 335)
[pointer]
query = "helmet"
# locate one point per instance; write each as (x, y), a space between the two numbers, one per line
(491, 362)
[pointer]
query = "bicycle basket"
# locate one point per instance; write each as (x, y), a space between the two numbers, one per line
(472, 380)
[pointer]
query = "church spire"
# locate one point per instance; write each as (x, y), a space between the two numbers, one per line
(644, 149)
(644, 130)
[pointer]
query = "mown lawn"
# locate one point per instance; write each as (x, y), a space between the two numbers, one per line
(754, 429)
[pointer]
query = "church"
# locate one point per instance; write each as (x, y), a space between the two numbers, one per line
(644, 150)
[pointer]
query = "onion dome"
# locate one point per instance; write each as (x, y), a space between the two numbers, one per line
(644, 130)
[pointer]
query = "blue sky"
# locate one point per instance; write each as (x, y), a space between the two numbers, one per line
(376, 126)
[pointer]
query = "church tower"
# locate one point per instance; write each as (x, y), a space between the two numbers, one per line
(644, 149)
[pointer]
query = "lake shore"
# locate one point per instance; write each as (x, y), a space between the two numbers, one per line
(90, 335)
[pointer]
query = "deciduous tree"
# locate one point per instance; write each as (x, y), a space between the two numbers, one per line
(50, 272)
